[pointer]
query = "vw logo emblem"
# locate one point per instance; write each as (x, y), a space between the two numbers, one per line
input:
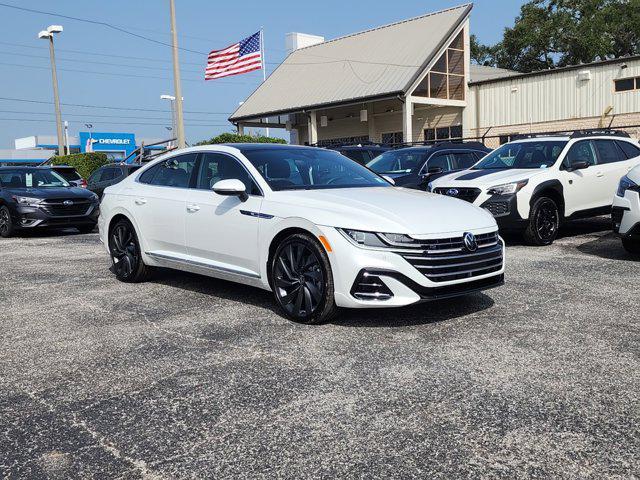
(67, 203)
(452, 192)
(470, 242)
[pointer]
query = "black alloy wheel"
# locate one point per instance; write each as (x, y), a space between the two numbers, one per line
(544, 222)
(126, 258)
(301, 280)
(6, 224)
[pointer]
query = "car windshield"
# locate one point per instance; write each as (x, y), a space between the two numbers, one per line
(397, 161)
(310, 169)
(35, 178)
(542, 154)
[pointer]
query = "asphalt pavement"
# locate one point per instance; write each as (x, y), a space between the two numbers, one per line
(190, 377)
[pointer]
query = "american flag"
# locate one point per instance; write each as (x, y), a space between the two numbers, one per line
(242, 57)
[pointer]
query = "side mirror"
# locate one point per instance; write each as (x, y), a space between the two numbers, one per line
(434, 170)
(389, 179)
(231, 188)
(578, 166)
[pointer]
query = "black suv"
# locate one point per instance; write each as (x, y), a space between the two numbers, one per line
(415, 167)
(362, 154)
(108, 175)
(38, 197)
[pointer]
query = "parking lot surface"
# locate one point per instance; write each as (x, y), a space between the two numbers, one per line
(187, 376)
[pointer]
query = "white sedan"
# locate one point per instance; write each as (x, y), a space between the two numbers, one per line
(314, 227)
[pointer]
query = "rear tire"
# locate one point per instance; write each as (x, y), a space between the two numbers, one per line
(544, 221)
(632, 246)
(126, 256)
(6, 223)
(302, 280)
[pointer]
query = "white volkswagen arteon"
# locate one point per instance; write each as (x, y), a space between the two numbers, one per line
(314, 227)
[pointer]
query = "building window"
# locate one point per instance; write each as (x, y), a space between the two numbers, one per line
(627, 84)
(445, 80)
(392, 138)
(507, 138)
(343, 141)
(439, 134)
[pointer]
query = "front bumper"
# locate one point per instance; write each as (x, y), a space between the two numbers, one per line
(403, 284)
(625, 214)
(504, 209)
(28, 217)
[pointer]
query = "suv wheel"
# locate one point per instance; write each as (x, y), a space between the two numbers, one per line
(544, 221)
(302, 280)
(6, 224)
(632, 246)
(126, 259)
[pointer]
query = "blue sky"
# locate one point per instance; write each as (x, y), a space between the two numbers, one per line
(203, 25)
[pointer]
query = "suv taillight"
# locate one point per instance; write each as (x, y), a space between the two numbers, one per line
(83, 183)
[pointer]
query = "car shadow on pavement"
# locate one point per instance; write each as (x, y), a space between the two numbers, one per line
(50, 232)
(608, 247)
(420, 314)
(572, 228)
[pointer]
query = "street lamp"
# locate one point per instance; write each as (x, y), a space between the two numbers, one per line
(171, 99)
(48, 35)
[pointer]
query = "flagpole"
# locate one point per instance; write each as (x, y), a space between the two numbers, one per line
(264, 66)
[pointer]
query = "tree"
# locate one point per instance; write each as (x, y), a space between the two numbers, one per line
(236, 138)
(555, 33)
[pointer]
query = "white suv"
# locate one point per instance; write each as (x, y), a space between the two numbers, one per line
(314, 227)
(626, 211)
(534, 184)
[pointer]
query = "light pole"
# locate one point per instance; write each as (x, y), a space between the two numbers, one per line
(48, 35)
(90, 145)
(176, 77)
(171, 99)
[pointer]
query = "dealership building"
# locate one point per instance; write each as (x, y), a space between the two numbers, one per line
(413, 81)
(39, 148)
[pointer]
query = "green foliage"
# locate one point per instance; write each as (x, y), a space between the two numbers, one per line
(84, 163)
(557, 33)
(235, 138)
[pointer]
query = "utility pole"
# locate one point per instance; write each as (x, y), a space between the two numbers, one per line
(176, 77)
(48, 34)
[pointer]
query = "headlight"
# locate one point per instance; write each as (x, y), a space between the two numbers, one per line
(380, 240)
(507, 188)
(626, 184)
(27, 201)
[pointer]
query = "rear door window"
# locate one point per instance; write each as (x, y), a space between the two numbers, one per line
(629, 149)
(441, 160)
(107, 174)
(608, 152)
(463, 160)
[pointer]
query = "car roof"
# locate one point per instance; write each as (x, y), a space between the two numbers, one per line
(21, 167)
(447, 146)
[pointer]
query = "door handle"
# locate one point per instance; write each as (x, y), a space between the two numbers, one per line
(140, 201)
(193, 208)
(599, 174)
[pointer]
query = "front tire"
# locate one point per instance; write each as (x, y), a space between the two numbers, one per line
(632, 246)
(126, 256)
(6, 223)
(302, 280)
(544, 221)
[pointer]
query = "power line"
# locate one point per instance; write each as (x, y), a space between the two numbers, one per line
(98, 22)
(113, 123)
(94, 115)
(108, 107)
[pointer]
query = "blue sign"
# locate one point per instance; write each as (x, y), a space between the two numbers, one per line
(116, 145)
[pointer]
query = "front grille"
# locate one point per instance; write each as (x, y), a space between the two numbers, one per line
(467, 194)
(58, 208)
(497, 208)
(447, 259)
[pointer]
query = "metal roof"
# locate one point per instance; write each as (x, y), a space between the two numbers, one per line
(372, 64)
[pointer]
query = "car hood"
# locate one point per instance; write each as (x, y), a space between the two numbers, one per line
(380, 209)
(486, 178)
(49, 193)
